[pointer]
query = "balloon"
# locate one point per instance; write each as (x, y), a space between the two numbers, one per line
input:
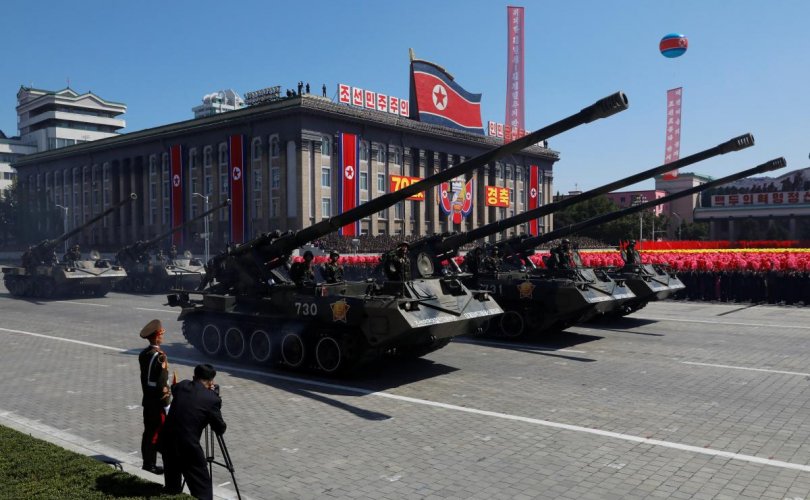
(673, 45)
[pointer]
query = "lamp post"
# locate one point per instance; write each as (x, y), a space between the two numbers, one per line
(205, 220)
(680, 221)
(638, 200)
(64, 223)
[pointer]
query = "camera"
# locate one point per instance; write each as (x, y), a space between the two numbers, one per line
(215, 388)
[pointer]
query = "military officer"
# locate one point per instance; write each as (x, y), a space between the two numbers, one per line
(332, 271)
(492, 263)
(173, 252)
(156, 393)
(399, 265)
(630, 255)
(73, 254)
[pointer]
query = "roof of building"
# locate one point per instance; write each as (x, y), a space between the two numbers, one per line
(306, 103)
(67, 91)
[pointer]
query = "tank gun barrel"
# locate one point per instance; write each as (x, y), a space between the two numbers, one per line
(456, 241)
(51, 244)
(768, 166)
(142, 246)
(273, 246)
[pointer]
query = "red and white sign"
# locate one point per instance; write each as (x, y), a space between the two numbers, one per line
(176, 171)
(399, 182)
(497, 196)
(673, 141)
(369, 99)
(349, 186)
(514, 72)
(771, 198)
(236, 145)
(534, 197)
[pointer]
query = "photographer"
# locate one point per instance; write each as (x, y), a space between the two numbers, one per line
(196, 405)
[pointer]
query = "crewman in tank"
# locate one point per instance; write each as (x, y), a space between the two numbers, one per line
(630, 255)
(492, 262)
(399, 265)
(172, 252)
(301, 271)
(332, 271)
(73, 255)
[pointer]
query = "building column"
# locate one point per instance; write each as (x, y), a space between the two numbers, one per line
(731, 234)
(712, 230)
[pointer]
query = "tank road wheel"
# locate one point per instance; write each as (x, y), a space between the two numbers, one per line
(211, 340)
(328, 354)
(512, 324)
(261, 348)
(235, 343)
(293, 350)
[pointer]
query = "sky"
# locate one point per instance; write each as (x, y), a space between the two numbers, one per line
(746, 69)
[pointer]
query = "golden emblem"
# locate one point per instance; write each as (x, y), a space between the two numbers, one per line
(340, 310)
(525, 289)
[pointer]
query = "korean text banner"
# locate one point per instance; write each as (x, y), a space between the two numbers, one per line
(673, 141)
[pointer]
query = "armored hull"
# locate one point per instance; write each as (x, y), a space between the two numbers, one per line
(184, 274)
(333, 328)
(648, 282)
(85, 277)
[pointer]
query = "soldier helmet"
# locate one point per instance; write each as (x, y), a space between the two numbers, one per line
(496, 251)
(632, 242)
(308, 255)
(334, 253)
(76, 247)
(403, 244)
(566, 241)
(151, 328)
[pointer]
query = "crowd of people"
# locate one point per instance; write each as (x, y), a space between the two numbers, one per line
(747, 286)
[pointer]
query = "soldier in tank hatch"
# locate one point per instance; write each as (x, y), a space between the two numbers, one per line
(301, 272)
(492, 262)
(332, 271)
(399, 265)
(73, 255)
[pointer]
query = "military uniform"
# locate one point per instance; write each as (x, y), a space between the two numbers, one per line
(156, 394)
(332, 271)
(302, 271)
(73, 254)
(399, 265)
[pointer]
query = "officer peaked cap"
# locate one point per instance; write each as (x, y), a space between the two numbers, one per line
(151, 328)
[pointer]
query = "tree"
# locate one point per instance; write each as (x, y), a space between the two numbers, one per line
(9, 215)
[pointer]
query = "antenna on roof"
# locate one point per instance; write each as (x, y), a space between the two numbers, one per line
(68, 82)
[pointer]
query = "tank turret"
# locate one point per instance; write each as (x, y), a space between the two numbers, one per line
(250, 310)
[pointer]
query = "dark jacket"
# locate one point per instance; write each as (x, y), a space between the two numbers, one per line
(193, 408)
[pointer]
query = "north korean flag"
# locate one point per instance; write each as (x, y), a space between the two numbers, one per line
(237, 170)
(349, 187)
(176, 169)
(441, 101)
(534, 197)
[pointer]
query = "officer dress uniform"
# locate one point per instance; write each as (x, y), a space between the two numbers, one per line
(156, 395)
(195, 407)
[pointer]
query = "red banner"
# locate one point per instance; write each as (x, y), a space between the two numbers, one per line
(673, 142)
(349, 186)
(236, 148)
(497, 196)
(400, 181)
(534, 197)
(514, 72)
(176, 170)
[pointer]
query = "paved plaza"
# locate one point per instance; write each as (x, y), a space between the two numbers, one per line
(679, 400)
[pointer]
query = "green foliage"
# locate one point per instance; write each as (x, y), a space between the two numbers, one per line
(695, 231)
(9, 215)
(610, 232)
(34, 469)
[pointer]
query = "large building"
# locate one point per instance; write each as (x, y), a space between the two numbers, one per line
(11, 149)
(292, 173)
(218, 102)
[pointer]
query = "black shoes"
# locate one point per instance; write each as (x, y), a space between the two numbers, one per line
(154, 469)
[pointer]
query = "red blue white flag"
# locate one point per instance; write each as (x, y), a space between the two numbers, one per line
(673, 140)
(349, 187)
(534, 197)
(176, 172)
(441, 101)
(236, 147)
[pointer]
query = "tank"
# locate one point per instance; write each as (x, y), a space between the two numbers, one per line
(159, 273)
(650, 282)
(43, 275)
(544, 300)
(248, 310)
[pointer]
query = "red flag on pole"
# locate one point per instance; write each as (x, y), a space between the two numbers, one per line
(349, 187)
(236, 145)
(534, 197)
(176, 169)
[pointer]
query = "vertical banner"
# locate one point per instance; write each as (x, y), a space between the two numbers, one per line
(534, 197)
(176, 170)
(348, 187)
(514, 72)
(236, 147)
(673, 142)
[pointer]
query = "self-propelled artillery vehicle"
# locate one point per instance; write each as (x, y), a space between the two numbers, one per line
(541, 300)
(248, 309)
(651, 282)
(42, 275)
(163, 272)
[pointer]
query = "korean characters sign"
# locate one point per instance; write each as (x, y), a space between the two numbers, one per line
(400, 181)
(497, 196)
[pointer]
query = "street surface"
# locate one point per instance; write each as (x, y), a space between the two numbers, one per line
(680, 400)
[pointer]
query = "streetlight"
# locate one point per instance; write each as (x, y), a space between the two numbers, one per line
(206, 236)
(638, 199)
(680, 220)
(65, 222)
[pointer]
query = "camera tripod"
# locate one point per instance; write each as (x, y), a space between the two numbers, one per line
(211, 458)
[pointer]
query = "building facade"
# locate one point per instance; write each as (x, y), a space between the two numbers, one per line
(624, 199)
(11, 150)
(291, 176)
(218, 102)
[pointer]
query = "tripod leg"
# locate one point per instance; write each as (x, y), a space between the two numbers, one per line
(228, 464)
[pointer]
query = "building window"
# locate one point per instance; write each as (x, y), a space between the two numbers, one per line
(396, 156)
(207, 161)
(519, 173)
(275, 151)
(223, 154)
(381, 154)
(326, 147)
(275, 177)
(363, 181)
(326, 177)
(257, 149)
(380, 183)
(274, 207)
(326, 207)
(363, 151)
(399, 210)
